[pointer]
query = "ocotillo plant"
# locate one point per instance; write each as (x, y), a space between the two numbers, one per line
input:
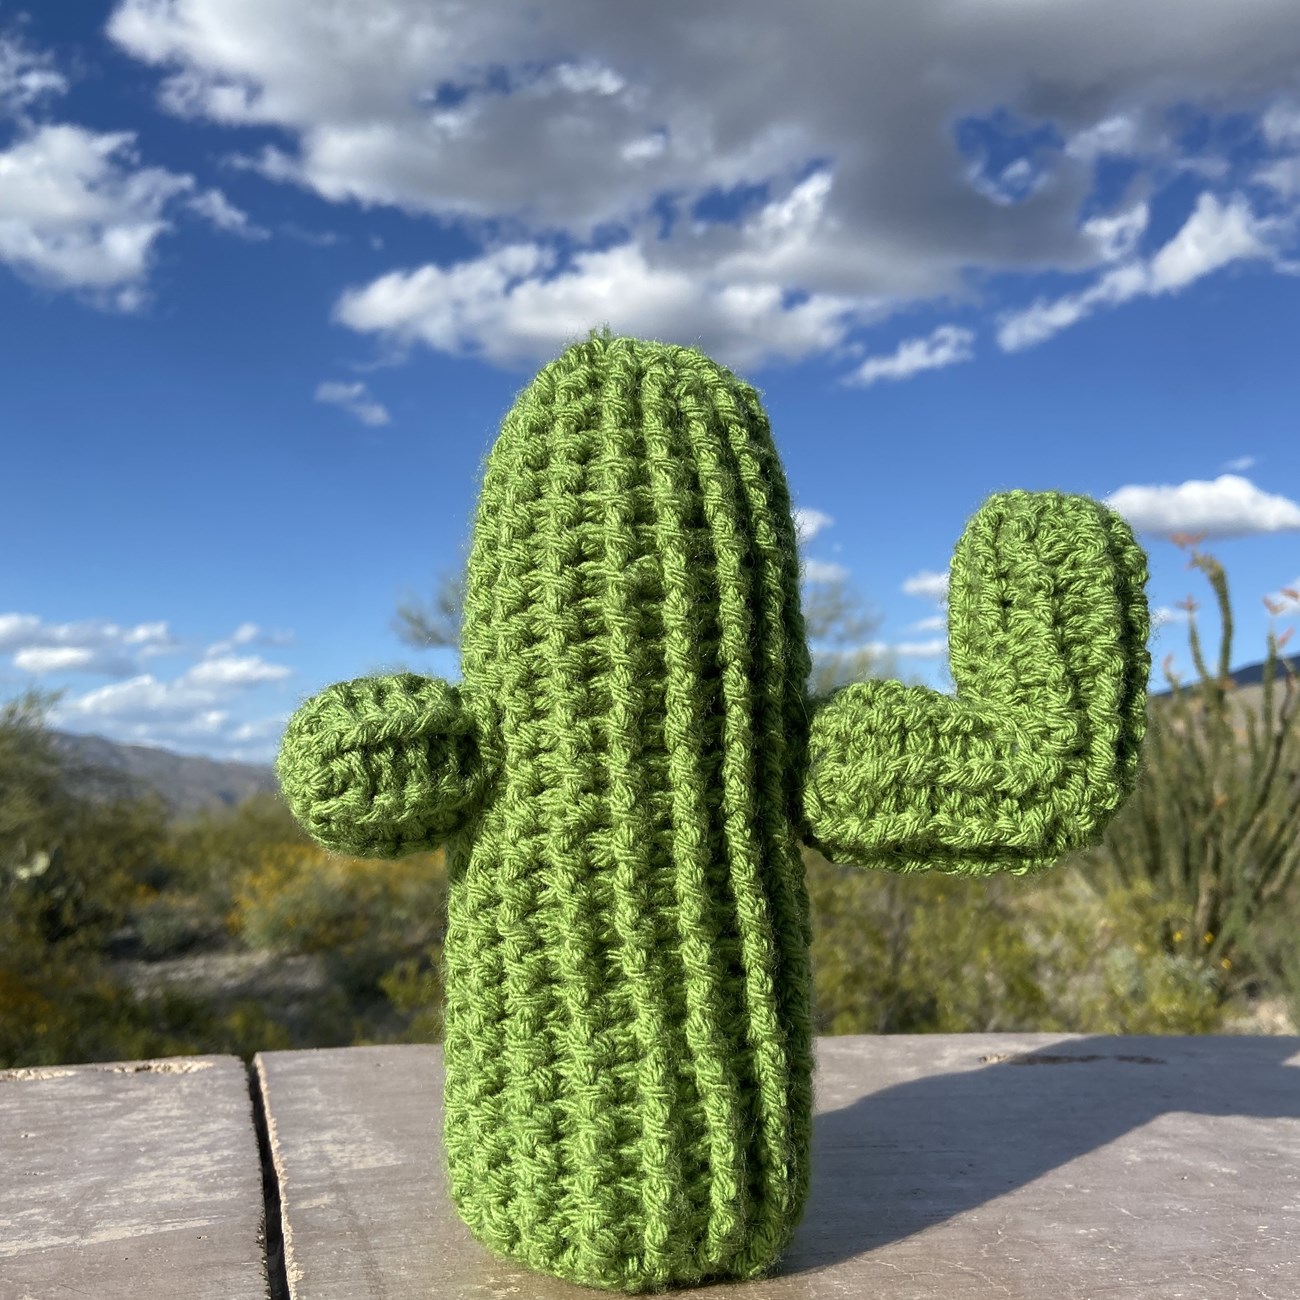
(1213, 822)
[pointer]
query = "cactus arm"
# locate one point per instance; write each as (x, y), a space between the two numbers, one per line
(383, 766)
(1048, 624)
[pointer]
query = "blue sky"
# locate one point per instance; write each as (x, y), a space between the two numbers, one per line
(271, 275)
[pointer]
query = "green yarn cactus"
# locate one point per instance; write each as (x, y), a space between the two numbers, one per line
(625, 774)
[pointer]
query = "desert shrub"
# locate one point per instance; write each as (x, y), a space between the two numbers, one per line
(369, 919)
(213, 848)
(935, 953)
(415, 989)
(1104, 966)
(57, 1010)
(1188, 901)
(920, 953)
(70, 867)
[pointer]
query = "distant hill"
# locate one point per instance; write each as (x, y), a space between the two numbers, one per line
(188, 784)
(1249, 675)
(1247, 696)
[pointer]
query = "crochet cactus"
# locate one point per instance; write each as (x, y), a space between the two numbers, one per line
(624, 777)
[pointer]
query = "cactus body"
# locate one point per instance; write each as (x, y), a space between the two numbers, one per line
(627, 1030)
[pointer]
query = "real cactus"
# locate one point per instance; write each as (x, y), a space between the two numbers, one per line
(626, 774)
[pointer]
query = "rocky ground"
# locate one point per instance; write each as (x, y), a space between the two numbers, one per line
(290, 983)
(293, 985)
(1262, 1016)
(228, 975)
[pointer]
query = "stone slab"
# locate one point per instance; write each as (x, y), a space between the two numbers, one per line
(132, 1180)
(960, 1166)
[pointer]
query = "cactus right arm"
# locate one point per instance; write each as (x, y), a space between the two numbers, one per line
(1048, 629)
(383, 766)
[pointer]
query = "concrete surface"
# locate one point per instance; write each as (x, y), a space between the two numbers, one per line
(132, 1179)
(960, 1166)
(945, 1165)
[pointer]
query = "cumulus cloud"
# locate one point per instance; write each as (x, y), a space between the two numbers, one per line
(1228, 506)
(946, 345)
(1215, 235)
(90, 646)
(77, 213)
(26, 76)
(354, 398)
(808, 523)
(213, 206)
(139, 707)
(821, 571)
(79, 209)
(928, 585)
(884, 156)
(247, 634)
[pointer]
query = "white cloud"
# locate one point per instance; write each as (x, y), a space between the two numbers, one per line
(50, 659)
(15, 629)
(25, 77)
(1280, 126)
(571, 117)
(78, 210)
(213, 206)
(140, 708)
(945, 347)
(1230, 506)
(1163, 615)
(1213, 236)
(1118, 136)
(243, 671)
(821, 571)
(1116, 236)
(498, 305)
(354, 398)
(74, 215)
(144, 710)
(935, 648)
(247, 634)
(808, 523)
(92, 646)
(931, 586)
(317, 238)
(935, 623)
(1281, 123)
(928, 585)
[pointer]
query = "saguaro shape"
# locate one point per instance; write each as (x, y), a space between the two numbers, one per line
(625, 773)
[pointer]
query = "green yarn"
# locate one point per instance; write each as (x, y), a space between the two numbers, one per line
(1047, 633)
(624, 777)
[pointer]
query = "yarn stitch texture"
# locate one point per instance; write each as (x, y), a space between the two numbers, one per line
(624, 777)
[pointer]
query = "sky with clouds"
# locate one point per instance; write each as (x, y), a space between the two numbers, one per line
(272, 271)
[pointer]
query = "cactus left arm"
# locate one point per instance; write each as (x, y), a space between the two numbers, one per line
(382, 766)
(1048, 624)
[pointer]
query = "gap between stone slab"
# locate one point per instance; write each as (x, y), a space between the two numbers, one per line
(277, 1277)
